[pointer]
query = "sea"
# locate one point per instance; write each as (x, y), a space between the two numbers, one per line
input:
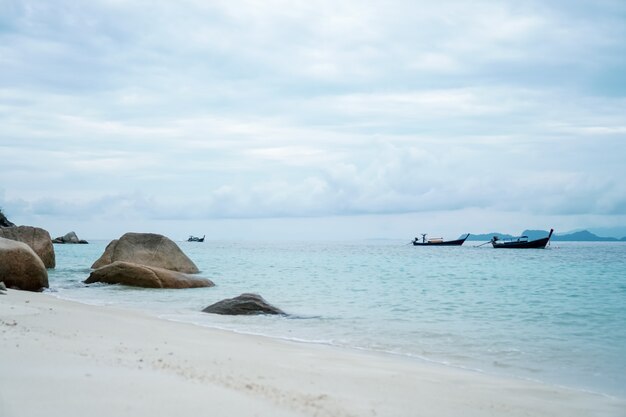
(556, 315)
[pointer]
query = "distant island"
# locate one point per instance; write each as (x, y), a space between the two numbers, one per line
(582, 236)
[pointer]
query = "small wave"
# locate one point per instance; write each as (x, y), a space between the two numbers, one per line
(306, 317)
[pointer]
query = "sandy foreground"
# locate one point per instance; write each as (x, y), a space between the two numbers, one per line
(61, 358)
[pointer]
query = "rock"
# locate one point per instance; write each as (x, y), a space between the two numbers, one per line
(147, 249)
(20, 267)
(128, 273)
(35, 237)
(245, 304)
(69, 238)
(4, 222)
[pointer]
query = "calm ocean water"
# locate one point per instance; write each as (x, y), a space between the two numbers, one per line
(556, 315)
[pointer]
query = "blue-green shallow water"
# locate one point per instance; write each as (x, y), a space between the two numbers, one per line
(556, 315)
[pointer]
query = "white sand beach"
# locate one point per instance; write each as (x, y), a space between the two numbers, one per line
(61, 358)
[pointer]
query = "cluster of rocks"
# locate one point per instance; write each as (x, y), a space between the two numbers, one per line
(137, 259)
(36, 238)
(153, 261)
(69, 238)
(146, 260)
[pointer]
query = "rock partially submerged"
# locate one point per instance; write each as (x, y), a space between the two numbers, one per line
(128, 273)
(20, 267)
(70, 237)
(35, 237)
(147, 249)
(245, 304)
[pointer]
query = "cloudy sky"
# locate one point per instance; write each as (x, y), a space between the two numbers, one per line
(312, 119)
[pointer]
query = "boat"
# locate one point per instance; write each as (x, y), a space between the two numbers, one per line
(195, 239)
(521, 242)
(438, 241)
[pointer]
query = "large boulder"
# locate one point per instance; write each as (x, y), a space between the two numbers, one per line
(128, 273)
(70, 237)
(245, 304)
(20, 267)
(147, 249)
(35, 237)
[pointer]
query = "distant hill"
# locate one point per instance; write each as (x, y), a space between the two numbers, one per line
(536, 234)
(488, 236)
(616, 231)
(582, 236)
(532, 235)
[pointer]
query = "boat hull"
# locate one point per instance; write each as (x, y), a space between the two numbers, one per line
(533, 244)
(457, 242)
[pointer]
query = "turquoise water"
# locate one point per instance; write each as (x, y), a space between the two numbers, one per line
(556, 315)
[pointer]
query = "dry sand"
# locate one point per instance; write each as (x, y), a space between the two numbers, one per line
(60, 358)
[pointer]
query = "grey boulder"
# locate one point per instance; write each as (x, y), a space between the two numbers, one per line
(245, 304)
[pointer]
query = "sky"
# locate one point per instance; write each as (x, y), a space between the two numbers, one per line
(242, 119)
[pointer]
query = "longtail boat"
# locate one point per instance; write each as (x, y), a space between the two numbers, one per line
(195, 239)
(437, 241)
(521, 242)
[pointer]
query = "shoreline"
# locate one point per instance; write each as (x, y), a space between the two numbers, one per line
(79, 359)
(400, 355)
(348, 348)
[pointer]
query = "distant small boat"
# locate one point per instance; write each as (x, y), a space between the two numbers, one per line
(438, 241)
(521, 242)
(195, 239)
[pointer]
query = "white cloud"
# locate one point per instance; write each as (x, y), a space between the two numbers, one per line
(243, 109)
